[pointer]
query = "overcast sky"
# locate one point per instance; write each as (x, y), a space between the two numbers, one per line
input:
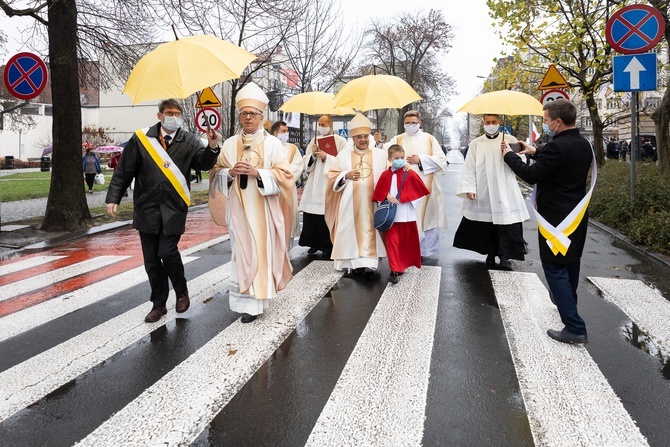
(474, 46)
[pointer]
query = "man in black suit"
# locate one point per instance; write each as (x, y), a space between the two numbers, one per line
(560, 172)
(160, 159)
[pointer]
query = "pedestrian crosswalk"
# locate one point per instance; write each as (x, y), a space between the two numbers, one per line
(378, 399)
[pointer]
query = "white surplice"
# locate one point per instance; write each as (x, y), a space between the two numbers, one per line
(499, 199)
(314, 194)
(431, 212)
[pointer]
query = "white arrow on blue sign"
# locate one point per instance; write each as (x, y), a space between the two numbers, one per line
(635, 72)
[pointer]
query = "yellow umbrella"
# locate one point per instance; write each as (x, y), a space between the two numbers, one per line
(503, 102)
(376, 92)
(315, 103)
(180, 68)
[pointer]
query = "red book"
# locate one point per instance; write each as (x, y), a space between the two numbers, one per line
(327, 145)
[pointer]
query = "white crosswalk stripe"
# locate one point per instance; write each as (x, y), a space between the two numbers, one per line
(568, 400)
(644, 305)
(31, 317)
(169, 415)
(25, 264)
(380, 397)
(46, 279)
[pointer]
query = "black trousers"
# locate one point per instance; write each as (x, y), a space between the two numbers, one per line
(162, 261)
(90, 178)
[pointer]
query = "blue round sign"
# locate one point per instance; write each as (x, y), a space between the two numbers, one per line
(635, 29)
(25, 75)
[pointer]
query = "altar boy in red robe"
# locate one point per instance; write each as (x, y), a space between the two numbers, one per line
(402, 243)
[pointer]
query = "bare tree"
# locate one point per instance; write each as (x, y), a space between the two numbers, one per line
(318, 50)
(408, 47)
(69, 31)
(258, 27)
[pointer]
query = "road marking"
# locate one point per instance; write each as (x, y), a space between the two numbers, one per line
(567, 398)
(31, 380)
(380, 398)
(31, 317)
(46, 279)
(165, 414)
(24, 264)
(644, 305)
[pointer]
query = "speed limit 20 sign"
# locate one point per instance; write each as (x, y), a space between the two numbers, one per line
(207, 115)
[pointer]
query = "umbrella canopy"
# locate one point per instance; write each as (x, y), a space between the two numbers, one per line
(503, 102)
(107, 149)
(376, 92)
(180, 68)
(47, 150)
(315, 103)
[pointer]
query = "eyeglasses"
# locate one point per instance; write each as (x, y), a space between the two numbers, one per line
(168, 113)
(249, 114)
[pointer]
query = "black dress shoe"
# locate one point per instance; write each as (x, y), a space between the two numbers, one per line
(312, 250)
(366, 272)
(394, 278)
(183, 303)
(155, 314)
(565, 336)
(326, 254)
(490, 260)
(506, 264)
(246, 318)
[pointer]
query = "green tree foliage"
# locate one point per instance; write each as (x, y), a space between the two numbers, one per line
(569, 34)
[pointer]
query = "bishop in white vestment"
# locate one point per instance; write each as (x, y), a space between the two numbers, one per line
(251, 192)
(357, 244)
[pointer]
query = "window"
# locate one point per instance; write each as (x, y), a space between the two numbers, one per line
(586, 122)
(613, 103)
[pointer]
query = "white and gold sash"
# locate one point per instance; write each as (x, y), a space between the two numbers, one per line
(557, 237)
(166, 165)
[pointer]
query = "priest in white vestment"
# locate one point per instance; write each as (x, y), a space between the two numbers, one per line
(493, 207)
(280, 130)
(424, 156)
(357, 245)
(251, 191)
(317, 164)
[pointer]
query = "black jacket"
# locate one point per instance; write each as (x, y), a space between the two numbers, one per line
(157, 205)
(560, 171)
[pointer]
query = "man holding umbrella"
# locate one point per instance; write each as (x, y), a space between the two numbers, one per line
(493, 207)
(160, 159)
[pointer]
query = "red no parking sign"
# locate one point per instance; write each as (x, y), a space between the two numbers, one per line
(25, 75)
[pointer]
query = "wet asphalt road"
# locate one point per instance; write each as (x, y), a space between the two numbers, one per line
(473, 394)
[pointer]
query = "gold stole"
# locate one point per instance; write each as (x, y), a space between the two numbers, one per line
(366, 235)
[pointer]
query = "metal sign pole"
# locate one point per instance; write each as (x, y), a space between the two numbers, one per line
(633, 145)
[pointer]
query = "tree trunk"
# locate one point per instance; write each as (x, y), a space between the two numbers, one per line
(66, 206)
(597, 130)
(661, 117)
(234, 88)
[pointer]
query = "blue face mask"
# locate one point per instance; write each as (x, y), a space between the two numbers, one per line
(398, 163)
(547, 130)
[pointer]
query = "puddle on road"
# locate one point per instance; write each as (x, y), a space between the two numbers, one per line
(643, 341)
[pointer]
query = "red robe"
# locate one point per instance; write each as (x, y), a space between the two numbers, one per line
(402, 243)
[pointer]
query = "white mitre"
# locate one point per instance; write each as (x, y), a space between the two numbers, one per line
(251, 95)
(359, 124)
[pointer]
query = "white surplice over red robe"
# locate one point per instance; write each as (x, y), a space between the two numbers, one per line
(431, 211)
(259, 219)
(350, 210)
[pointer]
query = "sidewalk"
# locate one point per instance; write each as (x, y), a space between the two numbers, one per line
(18, 237)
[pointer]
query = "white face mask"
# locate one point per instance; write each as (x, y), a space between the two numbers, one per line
(323, 131)
(171, 123)
(492, 129)
(412, 128)
(283, 137)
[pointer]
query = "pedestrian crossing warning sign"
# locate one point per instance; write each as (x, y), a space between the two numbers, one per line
(553, 79)
(207, 99)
